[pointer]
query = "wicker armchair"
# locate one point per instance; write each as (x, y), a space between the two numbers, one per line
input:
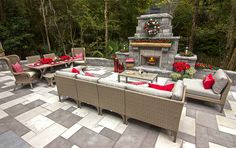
(32, 59)
(50, 55)
(26, 77)
(79, 50)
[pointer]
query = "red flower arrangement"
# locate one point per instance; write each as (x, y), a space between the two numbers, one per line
(180, 66)
(205, 66)
(65, 57)
(46, 60)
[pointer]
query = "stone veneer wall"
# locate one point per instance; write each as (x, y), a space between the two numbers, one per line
(165, 33)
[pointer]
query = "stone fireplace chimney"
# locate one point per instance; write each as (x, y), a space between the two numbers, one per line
(161, 48)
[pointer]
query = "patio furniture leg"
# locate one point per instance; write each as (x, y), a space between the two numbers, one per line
(118, 78)
(59, 98)
(221, 108)
(100, 111)
(175, 136)
(79, 104)
(31, 85)
(15, 86)
(124, 119)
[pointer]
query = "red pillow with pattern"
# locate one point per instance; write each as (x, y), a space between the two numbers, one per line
(17, 67)
(80, 56)
(74, 70)
(167, 87)
(208, 81)
(88, 74)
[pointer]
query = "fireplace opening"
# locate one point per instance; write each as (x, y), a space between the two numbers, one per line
(150, 60)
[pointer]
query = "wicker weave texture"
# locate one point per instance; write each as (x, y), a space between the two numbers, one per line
(87, 92)
(50, 55)
(66, 86)
(111, 98)
(33, 59)
(158, 111)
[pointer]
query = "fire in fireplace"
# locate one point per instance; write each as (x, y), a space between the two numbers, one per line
(150, 60)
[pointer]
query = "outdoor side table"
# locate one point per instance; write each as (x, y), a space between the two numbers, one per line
(50, 78)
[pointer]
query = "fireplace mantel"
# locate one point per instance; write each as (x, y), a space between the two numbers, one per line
(148, 44)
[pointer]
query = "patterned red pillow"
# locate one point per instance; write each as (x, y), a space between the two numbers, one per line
(138, 83)
(88, 74)
(208, 81)
(80, 56)
(167, 87)
(17, 67)
(74, 70)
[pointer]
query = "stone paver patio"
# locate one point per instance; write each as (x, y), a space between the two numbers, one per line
(35, 118)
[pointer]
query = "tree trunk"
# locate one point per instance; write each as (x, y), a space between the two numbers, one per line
(106, 23)
(57, 28)
(45, 23)
(230, 46)
(2, 13)
(193, 30)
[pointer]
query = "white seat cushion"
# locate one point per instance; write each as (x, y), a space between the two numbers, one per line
(178, 90)
(79, 62)
(31, 73)
(195, 86)
(65, 73)
(87, 78)
(221, 81)
(112, 83)
(151, 91)
(77, 67)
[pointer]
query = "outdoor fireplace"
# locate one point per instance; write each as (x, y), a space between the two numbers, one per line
(157, 50)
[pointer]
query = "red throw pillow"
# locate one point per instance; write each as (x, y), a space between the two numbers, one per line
(80, 56)
(74, 70)
(17, 67)
(208, 81)
(138, 83)
(88, 74)
(167, 87)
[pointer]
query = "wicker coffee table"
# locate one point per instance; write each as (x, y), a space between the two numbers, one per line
(135, 74)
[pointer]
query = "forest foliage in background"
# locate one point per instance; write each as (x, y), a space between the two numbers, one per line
(29, 27)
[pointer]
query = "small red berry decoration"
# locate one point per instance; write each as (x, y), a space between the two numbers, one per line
(152, 27)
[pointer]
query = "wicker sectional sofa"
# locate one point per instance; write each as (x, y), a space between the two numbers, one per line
(159, 108)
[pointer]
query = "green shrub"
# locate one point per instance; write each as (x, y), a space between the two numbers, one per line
(175, 76)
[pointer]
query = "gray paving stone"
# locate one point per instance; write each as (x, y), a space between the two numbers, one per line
(206, 119)
(227, 105)
(11, 140)
(151, 137)
(134, 135)
(203, 106)
(34, 104)
(16, 96)
(53, 92)
(9, 123)
(16, 110)
(86, 138)
(191, 113)
(186, 137)
(64, 118)
(71, 109)
(201, 137)
(59, 142)
(221, 138)
(110, 134)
